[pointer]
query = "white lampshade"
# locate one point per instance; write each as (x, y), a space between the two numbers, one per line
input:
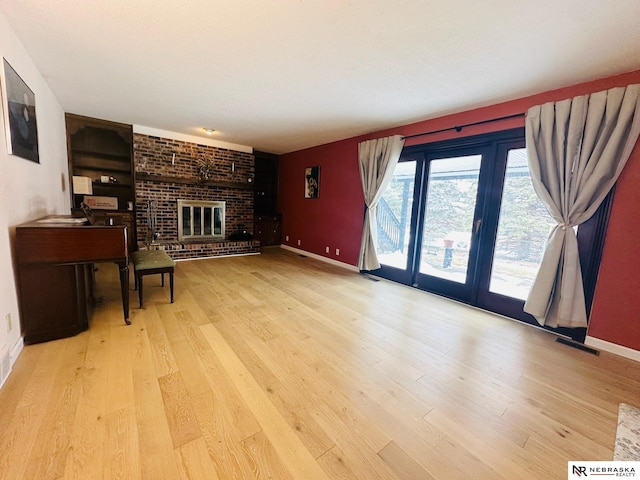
(82, 186)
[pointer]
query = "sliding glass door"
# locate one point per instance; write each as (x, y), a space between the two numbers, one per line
(461, 219)
(395, 211)
(446, 257)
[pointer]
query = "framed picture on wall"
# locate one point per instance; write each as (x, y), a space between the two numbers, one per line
(311, 182)
(19, 105)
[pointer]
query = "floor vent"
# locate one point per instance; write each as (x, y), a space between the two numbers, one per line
(5, 364)
(578, 345)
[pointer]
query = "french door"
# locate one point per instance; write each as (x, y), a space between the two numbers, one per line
(461, 219)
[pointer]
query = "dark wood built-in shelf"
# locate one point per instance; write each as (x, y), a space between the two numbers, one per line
(267, 223)
(98, 148)
(97, 184)
(121, 157)
(266, 183)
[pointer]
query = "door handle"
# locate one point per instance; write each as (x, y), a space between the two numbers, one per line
(476, 226)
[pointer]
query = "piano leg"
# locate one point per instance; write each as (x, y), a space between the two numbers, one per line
(124, 289)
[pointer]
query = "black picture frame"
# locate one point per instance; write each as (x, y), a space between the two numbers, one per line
(312, 182)
(21, 127)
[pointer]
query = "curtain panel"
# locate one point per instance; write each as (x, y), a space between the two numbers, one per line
(577, 149)
(377, 160)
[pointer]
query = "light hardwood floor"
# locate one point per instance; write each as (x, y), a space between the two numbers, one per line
(280, 366)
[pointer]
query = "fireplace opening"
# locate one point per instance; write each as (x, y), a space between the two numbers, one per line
(200, 220)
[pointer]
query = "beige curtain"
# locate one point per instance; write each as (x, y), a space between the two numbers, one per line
(577, 149)
(377, 160)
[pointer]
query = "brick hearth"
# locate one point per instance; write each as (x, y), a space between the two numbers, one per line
(181, 250)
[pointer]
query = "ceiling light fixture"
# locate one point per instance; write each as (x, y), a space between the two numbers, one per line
(208, 131)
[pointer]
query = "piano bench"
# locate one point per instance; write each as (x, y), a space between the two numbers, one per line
(149, 262)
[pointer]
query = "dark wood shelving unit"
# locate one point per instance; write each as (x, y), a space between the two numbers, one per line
(267, 223)
(103, 155)
(100, 148)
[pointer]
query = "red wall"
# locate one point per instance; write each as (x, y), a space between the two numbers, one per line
(615, 315)
(335, 219)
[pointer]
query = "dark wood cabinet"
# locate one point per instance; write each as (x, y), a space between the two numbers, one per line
(267, 229)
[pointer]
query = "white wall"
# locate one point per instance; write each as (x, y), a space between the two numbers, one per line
(27, 190)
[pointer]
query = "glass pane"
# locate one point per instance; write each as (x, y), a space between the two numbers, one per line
(394, 217)
(448, 222)
(523, 228)
(197, 221)
(186, 221)
(207, 220)
(217, 221)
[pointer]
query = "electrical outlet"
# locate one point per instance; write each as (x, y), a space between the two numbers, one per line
(286, 238)
(9, 322)
(337, 252)
(326, 250)
(299, 242)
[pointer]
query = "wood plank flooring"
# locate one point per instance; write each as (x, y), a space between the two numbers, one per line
(281, 366)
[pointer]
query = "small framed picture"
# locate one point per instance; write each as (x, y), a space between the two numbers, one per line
(311, 182)
(19, 115)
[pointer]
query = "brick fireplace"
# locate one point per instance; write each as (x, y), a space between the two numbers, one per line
(168, 170)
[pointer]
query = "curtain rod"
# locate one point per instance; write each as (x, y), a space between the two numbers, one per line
(458, 128)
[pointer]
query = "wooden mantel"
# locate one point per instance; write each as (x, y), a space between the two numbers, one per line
(148, 177)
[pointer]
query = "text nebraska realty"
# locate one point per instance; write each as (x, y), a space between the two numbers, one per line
(604, 471)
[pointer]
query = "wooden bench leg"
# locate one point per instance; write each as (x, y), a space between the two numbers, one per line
(139, 285)
(139, 277)
(171, 285)
(162, 279)
(124, 291)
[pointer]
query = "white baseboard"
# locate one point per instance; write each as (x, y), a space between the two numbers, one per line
(612, 348)
(353, 268)
(16, 349)
(8, 358)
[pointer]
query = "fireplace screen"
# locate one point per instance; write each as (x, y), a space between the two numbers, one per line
(200, 220)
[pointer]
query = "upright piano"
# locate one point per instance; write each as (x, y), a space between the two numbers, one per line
(54, 258)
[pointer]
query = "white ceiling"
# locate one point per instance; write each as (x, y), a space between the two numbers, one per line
(281, 75)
